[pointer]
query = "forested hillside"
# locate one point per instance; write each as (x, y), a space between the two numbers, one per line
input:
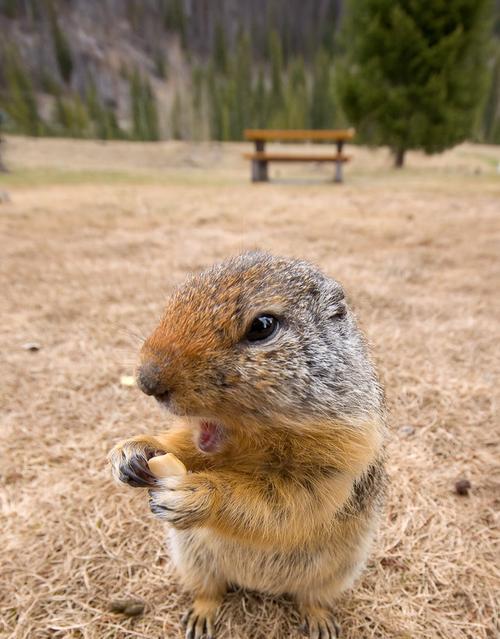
(190, 69)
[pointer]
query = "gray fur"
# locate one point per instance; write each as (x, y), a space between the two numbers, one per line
(318, 364)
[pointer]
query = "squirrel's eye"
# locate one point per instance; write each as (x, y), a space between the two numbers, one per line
(262, 327)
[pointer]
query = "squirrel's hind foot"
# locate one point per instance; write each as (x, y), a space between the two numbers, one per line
(200, 619)
(319, 623)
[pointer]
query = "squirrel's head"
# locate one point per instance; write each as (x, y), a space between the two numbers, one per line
(259, 338)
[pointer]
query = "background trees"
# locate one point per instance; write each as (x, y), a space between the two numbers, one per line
(408, 74)
(415, 73)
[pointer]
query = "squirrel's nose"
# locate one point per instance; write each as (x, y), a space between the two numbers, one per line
(149, 380)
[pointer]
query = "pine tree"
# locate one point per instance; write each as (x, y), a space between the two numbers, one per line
(226, 120)
(322, 102)
(104, 123)
(199, 120)
(276, 55)
(145, 124)
(3, 168)
(112, 127)
(135, 106)
(150, 113)
(20, 101)
(176, 118)
(329, 28)
(260, 102)
(61, 46)
(491, 116)
(96, 112)
(175, 19)
(220, 49)
(297, 96)
(47, 83)
(71, 117)
(161, 67)
(230, 110)
(241, 88)
(197, 78)
(414, 72)
(10, 9)
(215, 100)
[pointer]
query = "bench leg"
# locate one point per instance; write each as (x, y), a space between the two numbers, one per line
(338, 172)
(259, 171)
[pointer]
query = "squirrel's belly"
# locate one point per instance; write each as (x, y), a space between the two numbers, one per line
(198, 552)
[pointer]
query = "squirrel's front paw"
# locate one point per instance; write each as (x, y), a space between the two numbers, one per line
(129, 463)
(182, 501)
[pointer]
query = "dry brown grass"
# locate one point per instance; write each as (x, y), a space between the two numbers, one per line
(93, 239)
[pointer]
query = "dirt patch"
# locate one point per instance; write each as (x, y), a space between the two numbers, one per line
(86, 264)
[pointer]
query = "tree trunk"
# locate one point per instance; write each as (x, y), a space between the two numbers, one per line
(3, 168)
(399, 158)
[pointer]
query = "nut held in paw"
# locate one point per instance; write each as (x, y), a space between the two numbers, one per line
(166, 465)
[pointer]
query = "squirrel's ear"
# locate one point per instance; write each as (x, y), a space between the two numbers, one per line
(334, 300)
(339, 310)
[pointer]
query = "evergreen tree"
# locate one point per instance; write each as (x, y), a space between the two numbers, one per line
(176, 118)
(20, 100)
(197, 88)
(3, 168)
(491, 117)
(220, 49)
(112, 127)
(322, 100)
(200, 116)
(276, 55)
(135, 106)
(329, 28)
(414, 73)
(61, 46)
(286, 38)
(105, 124)
(226, 120)
(71, 117)
(160, 64)
(150, 112)
(96, 112)
(47, 83)
(231, 114)
(240, 96)
(10, 8)
(260, 102)
(175, 19)
(297, 96)
(135, 12)
(215, 100)
(145, 125)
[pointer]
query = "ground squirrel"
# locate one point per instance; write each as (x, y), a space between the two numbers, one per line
(278, 416)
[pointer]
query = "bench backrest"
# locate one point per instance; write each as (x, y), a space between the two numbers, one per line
(299, 134)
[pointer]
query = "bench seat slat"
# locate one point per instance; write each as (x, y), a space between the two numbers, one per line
(300, 134)
(297, 157)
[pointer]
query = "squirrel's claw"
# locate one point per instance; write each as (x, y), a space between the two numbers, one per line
(135, 472)
(169, 501)
(198, 626)
(129, 463)
(320, 626)
(181, 501)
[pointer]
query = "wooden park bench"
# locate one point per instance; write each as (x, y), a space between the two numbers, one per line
(260, 158)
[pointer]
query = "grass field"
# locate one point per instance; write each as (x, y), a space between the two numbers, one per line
(93, 239)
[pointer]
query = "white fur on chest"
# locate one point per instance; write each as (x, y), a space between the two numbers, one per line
(201, 551)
